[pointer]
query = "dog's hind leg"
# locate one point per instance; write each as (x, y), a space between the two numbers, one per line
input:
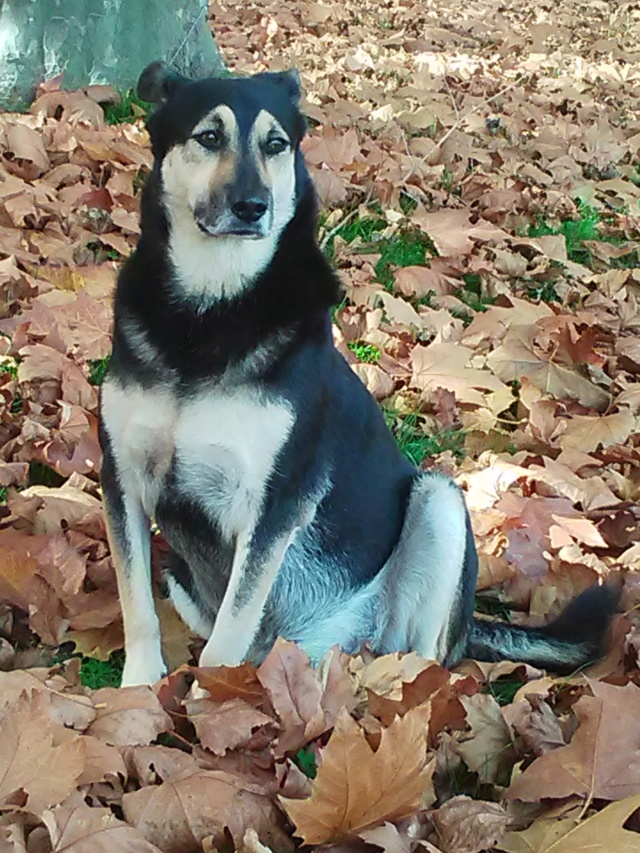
(129, 536)
(429, 580)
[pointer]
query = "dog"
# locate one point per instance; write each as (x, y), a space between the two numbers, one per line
(229, 419)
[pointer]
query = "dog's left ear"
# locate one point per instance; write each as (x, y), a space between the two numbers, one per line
(157, 82)
(289, 81)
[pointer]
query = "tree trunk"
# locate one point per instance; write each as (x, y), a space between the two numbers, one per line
(99, 41)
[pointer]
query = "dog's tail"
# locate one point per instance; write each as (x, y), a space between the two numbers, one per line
(576, 637)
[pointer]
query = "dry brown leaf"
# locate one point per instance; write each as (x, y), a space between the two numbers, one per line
(598, 762)
(128, 715)
(153, 764)
(39, 764)
(488, 749)
(27, 144)
(357, 788)
(80, 829)
(388, 838)
(298, 695)
(194, 804)
(225, 682)
(470, 826)
(73, 710)
(225, 725)
(587, 433)
(535, 722)
(601, 833)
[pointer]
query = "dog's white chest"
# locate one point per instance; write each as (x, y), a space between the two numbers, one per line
(221, 447)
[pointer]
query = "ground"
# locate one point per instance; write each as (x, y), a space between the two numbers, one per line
(479, 173)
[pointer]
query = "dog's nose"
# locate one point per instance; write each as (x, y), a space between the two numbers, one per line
(249, 209)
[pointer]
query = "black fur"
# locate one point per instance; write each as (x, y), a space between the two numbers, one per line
(572, 640)
(339, 458)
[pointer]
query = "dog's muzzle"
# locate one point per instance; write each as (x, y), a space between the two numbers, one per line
(251, 218)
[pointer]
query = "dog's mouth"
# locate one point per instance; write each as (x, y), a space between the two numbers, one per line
(248, 232)
(230, 226)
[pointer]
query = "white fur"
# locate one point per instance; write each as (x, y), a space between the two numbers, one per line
(236, 627)
(422, 577)
(190, 614)
(143, 664)
(225, 444)
(213, 267)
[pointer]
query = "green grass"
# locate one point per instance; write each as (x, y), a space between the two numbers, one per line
(102, 673)
(471, 294)
(98, 368)
(415, 443)
(3, 494)
(9, 366)
(305, 759)
(369, 353)
(504, 689)
(42, 475)
(93, 673)
(590, 225)
(404, 249)
(130, 109)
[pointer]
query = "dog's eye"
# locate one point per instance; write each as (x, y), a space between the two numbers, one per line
(276, 145)
(210, 139)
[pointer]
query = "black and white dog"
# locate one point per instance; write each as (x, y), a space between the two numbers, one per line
(229, 419)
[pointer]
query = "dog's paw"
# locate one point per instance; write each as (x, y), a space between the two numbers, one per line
(142, 670)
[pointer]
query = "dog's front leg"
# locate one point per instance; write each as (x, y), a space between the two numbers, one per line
(129, 536)
(252, 576)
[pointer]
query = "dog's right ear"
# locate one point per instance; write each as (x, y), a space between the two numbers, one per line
(157, 82)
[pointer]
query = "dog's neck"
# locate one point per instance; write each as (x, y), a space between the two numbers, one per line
(207, 269)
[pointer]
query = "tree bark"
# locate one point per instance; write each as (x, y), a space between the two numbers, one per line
(99, 41)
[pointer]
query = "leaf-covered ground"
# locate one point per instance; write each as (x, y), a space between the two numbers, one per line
(479, 170)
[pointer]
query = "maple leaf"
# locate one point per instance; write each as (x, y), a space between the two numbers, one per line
(516, 357)
(453, 233)
(153, 764)
(470, 826)
(304, 705)
(194, 804)
(357, 788)
(225, 725)
(27, 144)
(445, 365)
(488, 750)
(601, 833)
(597, 762)
(231, 682)
(80, 829)
(37, 758)
(68, 709)
(536, 724)
(128, 715)
(587, 433)
(389, 839)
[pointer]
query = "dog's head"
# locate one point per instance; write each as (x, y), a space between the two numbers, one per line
(227, 149)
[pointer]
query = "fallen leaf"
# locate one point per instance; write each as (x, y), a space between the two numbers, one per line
(488, 749)
(357, 788)
(225, 725)
(470, 826)
(597, 762)
(80, 829)
(37, 759)
(194, 804)
(601, 833)
(128, 715)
